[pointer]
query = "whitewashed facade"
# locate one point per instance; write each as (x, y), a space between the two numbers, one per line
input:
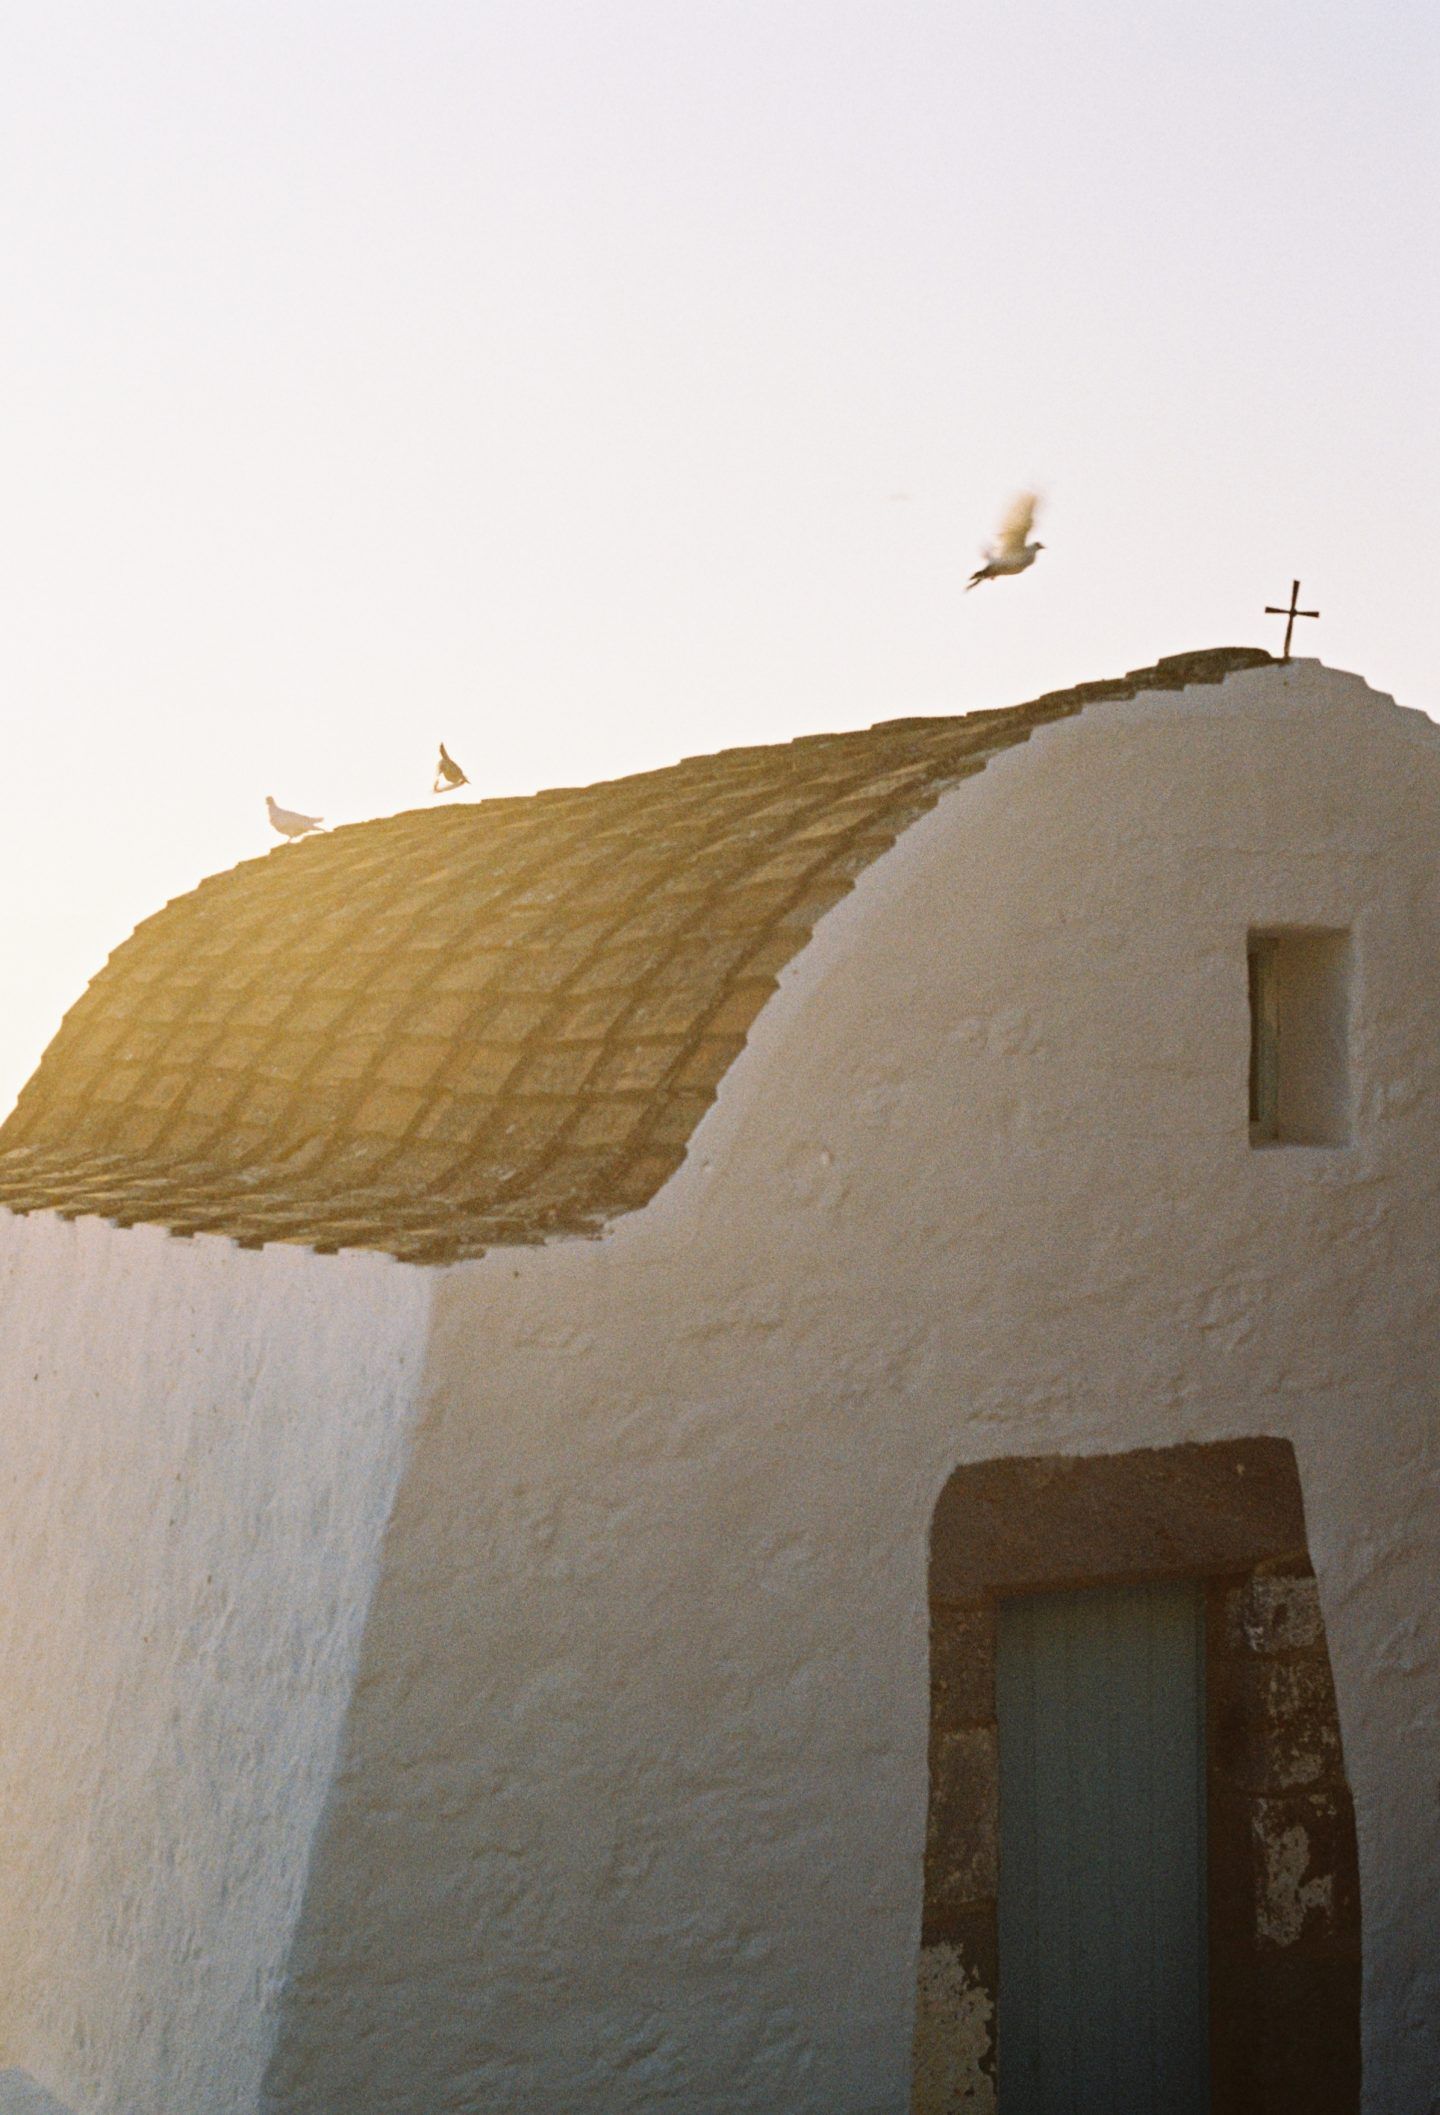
(503, 1686)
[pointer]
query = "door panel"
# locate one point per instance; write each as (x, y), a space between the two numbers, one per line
(1102, 2007)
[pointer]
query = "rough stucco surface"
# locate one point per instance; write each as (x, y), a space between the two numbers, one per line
(632, 1807)
(19, 2095)
(199, 1451)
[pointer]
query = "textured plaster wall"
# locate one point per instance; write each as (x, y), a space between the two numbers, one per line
(632, 1808)
(19, 2095)
(198, 1452)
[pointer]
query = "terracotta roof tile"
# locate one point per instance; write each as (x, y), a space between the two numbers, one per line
(412, 1063)
(479, 1025)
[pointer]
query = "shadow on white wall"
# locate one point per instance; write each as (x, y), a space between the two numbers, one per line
(19, 2095)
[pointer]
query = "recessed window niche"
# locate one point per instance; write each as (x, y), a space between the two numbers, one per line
(1299, 1037)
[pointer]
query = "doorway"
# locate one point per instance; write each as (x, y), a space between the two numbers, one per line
(1100, 1701)
(1276, 1960)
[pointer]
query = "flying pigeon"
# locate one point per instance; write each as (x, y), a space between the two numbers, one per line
(448, 774)
(288, 823)
(1010, 552)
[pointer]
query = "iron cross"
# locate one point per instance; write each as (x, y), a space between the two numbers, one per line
(1289, 615)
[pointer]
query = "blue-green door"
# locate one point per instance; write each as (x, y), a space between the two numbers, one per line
(1100, 1698)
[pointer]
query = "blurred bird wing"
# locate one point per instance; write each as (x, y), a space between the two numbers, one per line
(1014, 532)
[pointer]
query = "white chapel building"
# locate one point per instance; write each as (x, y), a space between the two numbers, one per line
(756, 1441)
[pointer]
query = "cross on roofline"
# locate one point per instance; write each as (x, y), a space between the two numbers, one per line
(1289, 615)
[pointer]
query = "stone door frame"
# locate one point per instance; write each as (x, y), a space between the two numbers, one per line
(1283, 1889)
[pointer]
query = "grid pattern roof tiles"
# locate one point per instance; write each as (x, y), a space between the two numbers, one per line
(449, 1030)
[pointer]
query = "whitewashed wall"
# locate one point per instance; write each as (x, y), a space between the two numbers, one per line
(633, 1798)
(198, 1451)
(19, 2095)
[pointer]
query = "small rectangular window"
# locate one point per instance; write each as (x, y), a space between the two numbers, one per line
(1299, 1037)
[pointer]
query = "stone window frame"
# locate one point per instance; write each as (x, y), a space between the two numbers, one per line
(1283, 1886)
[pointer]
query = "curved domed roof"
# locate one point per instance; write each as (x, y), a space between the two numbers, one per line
(482, 1024)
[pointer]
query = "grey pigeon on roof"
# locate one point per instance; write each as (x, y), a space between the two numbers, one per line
(1011, 551)
(448, 774)
(288, 823)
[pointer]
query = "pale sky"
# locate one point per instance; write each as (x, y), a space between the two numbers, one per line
(546, 375)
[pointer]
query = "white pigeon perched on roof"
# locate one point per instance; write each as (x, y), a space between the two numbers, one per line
(448, 775)
(288, 823)
(1011, 551)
